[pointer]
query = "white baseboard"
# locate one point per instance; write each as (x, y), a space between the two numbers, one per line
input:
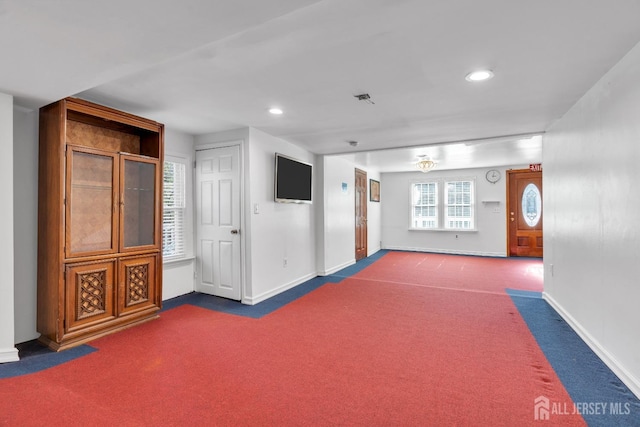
(9, 355)
(625, 376)
(337, 268)
(259, 298)
(447, 251)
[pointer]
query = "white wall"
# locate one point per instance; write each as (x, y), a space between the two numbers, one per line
(281, 230)
(338, 213)
(25, 225)
(178, 278)
(490, 239)
(336, 244)
(374, 215)
(8, 352)
(592, 232)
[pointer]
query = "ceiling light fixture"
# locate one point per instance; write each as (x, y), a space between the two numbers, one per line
(275, 110)
(425, 164)
(353, 143)
(480, 75)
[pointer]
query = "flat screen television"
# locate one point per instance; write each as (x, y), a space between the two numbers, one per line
(293, 180)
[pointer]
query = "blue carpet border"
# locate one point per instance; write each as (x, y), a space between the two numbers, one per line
(43, 360)
(555, 337)
(587, 379)
(46, 358)
(277, 301)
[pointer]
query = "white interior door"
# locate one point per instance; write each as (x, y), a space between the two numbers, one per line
(218, 222)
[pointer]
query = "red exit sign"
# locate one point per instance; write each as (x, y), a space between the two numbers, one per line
(535, 167)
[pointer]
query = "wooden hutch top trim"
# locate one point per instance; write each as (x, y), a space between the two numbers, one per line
(109, 114)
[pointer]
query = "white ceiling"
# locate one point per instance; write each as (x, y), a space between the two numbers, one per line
(203, 66)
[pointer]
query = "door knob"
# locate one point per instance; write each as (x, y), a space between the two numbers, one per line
(235, 231)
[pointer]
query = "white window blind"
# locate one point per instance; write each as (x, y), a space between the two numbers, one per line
(174, 207)
(459, 205)
(441, 204)
(424, 205)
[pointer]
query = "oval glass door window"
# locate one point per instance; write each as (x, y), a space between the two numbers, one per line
(531, 205)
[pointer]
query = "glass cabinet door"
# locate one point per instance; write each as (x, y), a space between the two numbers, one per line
(90, 202)
(139, 193)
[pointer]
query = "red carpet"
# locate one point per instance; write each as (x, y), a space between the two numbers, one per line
(457, 272)
(361, 352)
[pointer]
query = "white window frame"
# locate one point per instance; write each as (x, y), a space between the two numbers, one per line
(429, 222)
(444, 221)
(462, 202)
(177, 206)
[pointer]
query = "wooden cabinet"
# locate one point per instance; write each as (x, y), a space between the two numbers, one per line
(99, 221)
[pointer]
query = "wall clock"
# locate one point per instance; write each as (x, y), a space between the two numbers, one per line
(493, 176)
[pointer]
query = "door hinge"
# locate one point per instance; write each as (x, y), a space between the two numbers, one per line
(194, 164)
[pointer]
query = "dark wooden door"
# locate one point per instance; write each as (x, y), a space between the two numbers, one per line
(524, 213)
(361, 214)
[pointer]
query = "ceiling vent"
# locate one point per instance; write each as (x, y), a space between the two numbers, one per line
(364, 97)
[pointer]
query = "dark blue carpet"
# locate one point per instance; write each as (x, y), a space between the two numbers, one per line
(37, 357)
(254, 311)
(42, 359)
(274, 303)
(584, 375)
(587, 379)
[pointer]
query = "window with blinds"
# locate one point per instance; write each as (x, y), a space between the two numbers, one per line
(424, 206)
(459, 205)
(443, 205)
(174, 209)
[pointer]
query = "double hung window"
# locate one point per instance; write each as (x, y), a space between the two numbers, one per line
(443, 205)
(174, 210)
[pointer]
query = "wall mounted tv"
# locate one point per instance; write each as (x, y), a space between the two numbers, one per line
(293, 180)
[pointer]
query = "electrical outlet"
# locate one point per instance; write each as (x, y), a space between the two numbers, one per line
(456, 236)
(284, 263)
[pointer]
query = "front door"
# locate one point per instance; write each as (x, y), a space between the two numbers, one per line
(524, 213)
(361, 214)
(218, 222)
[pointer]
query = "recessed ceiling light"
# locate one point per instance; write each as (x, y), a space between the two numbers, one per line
(275, 110)
(480, 75)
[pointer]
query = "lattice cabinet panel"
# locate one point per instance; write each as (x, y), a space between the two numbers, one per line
(89, 293)
(136, 278)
